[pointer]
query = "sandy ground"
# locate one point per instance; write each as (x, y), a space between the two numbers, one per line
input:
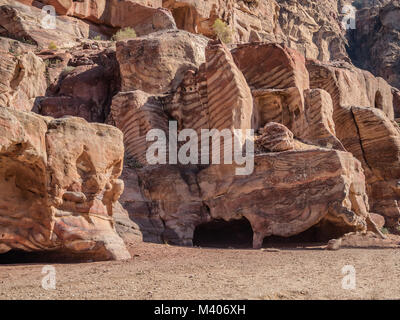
(168, 272)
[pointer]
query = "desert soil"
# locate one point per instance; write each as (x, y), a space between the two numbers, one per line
(169, 272)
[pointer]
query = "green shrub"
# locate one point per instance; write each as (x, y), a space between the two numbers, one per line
(125, 33)
(384, 230)
(52, 46)
(97, 38)
(222, 31)
(67, 70)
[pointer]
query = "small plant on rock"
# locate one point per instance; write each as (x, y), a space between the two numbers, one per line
(126, 33)
(222, 31)
(385, 231)
(52, 46)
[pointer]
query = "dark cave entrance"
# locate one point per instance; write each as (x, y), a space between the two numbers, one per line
(222, 234)
(238, 234)
(317, 235)
(378, 100)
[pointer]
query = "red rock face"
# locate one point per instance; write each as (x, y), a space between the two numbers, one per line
(378, 51)
(326, 146)
(157, 71)
(82, 83)
(63, 178)
(280, 91)
(144, 16)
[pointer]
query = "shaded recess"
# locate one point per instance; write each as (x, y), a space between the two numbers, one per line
(319, 234)
(239, 234)
(223, 234)
(24, 257)
(379, 101)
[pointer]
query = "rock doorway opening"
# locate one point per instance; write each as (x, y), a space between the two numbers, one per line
(236, 234)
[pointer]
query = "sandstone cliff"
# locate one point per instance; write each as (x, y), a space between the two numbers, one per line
(326, 144)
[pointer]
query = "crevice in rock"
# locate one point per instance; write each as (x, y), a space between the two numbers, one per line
(360, 139)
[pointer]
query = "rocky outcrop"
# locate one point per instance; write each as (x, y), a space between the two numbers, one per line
(59, 182)
(22, 79)
(278, 202)
(314, 28)
(326, 146)
(365, 130)
(375, 41)
(159, 71)
(246, 19)
(24, 23)
(143, 16)
(135, 113)
(82, 82)
(311, 27)
(295, 184)
(184, 199)
(349, 86)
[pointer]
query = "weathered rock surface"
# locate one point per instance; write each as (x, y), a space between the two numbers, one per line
(349, 86)
(375, 41)
(22, 80)
(184, 199)
(311, 27)
(82, 83)
(327, 148)
(296, 187)
(135, 113)
(24, 23)
(157, 63)
(247, 19)
(275, 137)
(368, 132)
(145, 16)
(59, 182)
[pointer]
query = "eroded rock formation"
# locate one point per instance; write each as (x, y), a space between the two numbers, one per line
(59, 182)
(157, 63)
(296, 184)
(81, 81)
(375, 41)
(326, 146)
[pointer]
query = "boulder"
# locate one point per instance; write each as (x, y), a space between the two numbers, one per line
(144, 16)
(60, 183)
(24, 23)
(82, 83)
(146, 63)
(323, 188)
(275, 137)
(22, 79)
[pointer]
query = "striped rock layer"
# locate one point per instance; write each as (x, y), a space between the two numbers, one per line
(309, 173)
